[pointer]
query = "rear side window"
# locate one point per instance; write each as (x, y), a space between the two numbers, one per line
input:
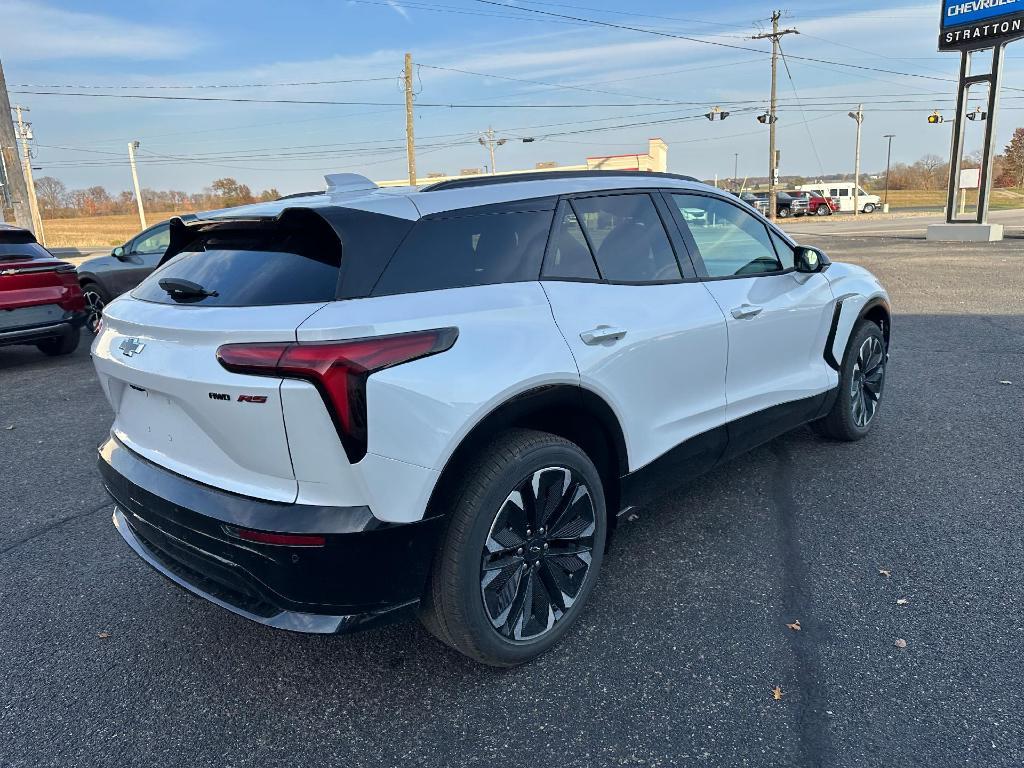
(460, 251)
(627, 237)
(252, 268)
(569, 255)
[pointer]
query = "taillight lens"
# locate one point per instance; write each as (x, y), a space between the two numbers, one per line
(277, 539)
(339, 369)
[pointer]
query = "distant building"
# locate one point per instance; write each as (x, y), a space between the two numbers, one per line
(655, 159)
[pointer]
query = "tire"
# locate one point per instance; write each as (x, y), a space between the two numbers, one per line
(96, 298)
(869, 208)
(64, 344)
(784, 213)
(856, 406)
(823, 210)
(491, 594)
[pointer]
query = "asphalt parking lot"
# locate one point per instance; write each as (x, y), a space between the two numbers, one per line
(674, 662)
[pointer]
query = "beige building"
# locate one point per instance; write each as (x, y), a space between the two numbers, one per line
(654, 159)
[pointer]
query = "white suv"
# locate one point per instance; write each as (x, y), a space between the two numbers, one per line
(334, 409)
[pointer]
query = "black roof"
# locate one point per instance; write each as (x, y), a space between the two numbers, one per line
(509, 178)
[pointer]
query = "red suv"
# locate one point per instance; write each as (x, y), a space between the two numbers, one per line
(40, 300)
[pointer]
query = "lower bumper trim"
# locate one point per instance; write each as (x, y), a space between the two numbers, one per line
(294, 621)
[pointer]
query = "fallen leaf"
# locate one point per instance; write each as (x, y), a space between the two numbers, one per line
(795, 626)
(1006, 382)
(103, 635)
(885, 573)
(777, 693)
(9, 426)
(632, 517)
(902, 601)
(901, 643)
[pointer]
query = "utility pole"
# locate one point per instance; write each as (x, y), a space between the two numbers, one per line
(15, 197)
(25, 133)
(132, 146)
(487, 139)
(888, 165)
(859, 117)
(410, 136)
(773, 166)
(735, 167)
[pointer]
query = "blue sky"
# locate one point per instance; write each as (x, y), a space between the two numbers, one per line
(186, 144)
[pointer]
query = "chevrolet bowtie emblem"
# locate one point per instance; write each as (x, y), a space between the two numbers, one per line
(130, 347)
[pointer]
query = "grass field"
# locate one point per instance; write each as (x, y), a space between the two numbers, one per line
(97, 230)
(936, 198)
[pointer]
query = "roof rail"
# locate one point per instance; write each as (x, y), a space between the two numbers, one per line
(509, 178)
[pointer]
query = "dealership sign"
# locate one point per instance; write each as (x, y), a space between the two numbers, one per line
(970, 24)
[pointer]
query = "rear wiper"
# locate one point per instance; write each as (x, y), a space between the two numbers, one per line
(184, 289)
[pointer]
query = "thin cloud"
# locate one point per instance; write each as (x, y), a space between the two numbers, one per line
(48, 33)
(399, 10)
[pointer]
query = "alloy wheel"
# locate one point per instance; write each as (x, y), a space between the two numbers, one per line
(538, 553)
(867, 381)
(94, 309)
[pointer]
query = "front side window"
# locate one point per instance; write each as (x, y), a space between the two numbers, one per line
(731, 242)
(155, 242)
(476, 249)
(628, 239)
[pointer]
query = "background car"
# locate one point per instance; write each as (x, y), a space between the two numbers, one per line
(817, 204)
(785, 205)
(40, 301)
(107, 277)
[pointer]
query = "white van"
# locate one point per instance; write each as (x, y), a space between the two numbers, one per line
(842, 193)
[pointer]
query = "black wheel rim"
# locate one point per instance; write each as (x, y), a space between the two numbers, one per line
(94, 309)
(538, 553)
(867, 381)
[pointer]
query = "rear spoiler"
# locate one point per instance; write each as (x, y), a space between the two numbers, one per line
(183, 232)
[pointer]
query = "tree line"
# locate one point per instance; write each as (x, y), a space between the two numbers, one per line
(56, 201)
(932, 171)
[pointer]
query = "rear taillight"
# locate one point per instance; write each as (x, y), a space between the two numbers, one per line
(339, 369)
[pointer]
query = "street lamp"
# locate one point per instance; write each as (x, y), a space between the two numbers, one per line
(888, 164)
(859, 117)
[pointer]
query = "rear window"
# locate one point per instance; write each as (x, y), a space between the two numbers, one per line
(21, 245)
(476, 249)
(251, 268)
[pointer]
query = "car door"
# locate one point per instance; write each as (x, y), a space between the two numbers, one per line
(646, 335)
(141, 257)
(778, 319)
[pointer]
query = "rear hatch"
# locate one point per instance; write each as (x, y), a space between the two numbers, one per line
(174, 403)
(35, 288)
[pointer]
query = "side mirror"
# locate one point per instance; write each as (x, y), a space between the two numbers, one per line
(118, 253)
(809, 260)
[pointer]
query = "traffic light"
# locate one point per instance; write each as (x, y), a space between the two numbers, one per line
(716, 113)
(935, 118)
(977, 114)
(766, 118)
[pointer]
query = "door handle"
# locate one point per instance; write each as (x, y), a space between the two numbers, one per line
(746, 311)
(602, 333)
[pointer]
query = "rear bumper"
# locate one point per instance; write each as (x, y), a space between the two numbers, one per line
(30, 334)
(366, 573)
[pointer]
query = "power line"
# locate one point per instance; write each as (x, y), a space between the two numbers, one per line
(659, 33)
(154, 86)
(326, 102)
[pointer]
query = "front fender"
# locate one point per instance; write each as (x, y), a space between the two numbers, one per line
(857, 293)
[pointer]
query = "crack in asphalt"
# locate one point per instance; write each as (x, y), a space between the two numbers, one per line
(797, 603)
(49, 527)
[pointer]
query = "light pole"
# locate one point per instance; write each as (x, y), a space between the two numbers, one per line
(487, 139)
(735, 168)
(888, 165)
(859, 117)
(132, 146)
